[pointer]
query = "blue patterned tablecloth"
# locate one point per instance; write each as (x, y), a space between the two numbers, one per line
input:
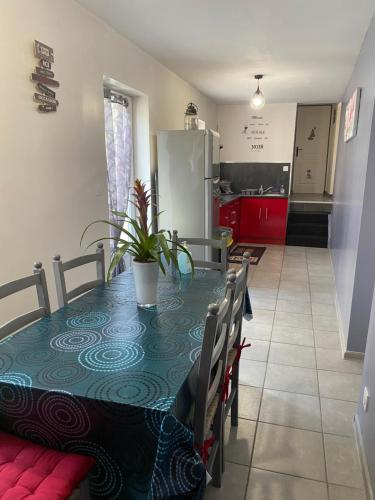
(105, 378)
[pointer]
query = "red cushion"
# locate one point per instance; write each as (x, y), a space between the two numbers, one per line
(28, 470)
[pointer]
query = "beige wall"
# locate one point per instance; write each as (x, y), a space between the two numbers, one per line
(278, 121)
(53, 168)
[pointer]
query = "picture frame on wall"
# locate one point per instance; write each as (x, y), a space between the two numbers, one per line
(351, 115)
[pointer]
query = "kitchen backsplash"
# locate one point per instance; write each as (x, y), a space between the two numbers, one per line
(252, 175)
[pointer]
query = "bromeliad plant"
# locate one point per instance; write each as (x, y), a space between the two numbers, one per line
(143, 245)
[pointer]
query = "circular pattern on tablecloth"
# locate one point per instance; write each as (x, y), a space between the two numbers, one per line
(41, 357)
(195, 353)
(6, 362)
(134, 388)
(170, 303)
(111, 356)
(175, 321)
(36, 432)
(105, 477)
(219, 291)
(89, 320)
(75, 340)
(156, 412)
(177, 374)
(66, 374)
(15, 394)
(197, 332)
(119, 329)
(161, 347)
(64, 412)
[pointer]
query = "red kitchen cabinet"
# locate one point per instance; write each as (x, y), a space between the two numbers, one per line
(230, 217)
(263, 220)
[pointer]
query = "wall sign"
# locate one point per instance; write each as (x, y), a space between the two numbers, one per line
(257, 133)
(351, 115)
(43, 76)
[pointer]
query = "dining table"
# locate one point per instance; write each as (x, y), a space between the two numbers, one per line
(106, 378)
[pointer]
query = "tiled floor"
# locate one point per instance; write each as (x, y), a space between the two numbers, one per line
(298, 396)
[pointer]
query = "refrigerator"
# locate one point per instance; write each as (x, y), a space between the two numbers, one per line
(188, 192)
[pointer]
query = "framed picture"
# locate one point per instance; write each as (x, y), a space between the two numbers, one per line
(351, 115)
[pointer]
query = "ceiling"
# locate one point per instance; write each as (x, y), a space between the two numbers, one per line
(305, 48)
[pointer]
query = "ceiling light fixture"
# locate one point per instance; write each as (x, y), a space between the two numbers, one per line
(258, 100)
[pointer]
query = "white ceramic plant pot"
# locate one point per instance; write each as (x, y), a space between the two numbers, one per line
(146, 276)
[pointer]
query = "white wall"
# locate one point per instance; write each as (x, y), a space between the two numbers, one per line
(53, 167)
(277, 121)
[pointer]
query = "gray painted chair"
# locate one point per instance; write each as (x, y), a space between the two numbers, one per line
(59, 268)
(208, 412)
(220, 244)
(37, 279)
(233, 346)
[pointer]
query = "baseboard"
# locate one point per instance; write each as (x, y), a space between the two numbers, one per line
(363, 459)
(345, 353)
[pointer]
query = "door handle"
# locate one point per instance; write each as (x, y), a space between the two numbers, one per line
(298, 150)
(266, 213)
(260, 213)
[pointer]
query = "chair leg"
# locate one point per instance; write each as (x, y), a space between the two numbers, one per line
(218, 428)
(234, 384)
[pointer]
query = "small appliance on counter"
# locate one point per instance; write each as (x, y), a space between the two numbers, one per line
(249, 192)
(225, 186)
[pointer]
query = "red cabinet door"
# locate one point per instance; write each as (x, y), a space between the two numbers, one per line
(251, 216)
(224, 216)
(275, 214)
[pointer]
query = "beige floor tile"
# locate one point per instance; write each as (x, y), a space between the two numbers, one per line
(322, 297)
(257, 282)
(289, 451)
(296, 336)
(293, 319)
(258, 303)
(292, 355)
(337, 416)
(317, 279)
(238, 441)
(328, 323)
(249, 402)
(258, 351)
(263, 316)
(330, 359)
(264, 293)
(343, 466)
(233, 486)
(327, 340)
(265, 485)
(288, 274)
(335, 385)
(323, 309)
(322, 288)
(344, 493)
(294, 296)
(291, 379)
(255, 330)
(294, 286)
(293, 307)
(291, 410)
(252, 373)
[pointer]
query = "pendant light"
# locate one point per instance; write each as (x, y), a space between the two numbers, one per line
(258, 100)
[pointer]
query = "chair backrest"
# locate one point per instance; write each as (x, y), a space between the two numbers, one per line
(211, 363)
(240, 286)
(220, 244)
(59, 268)
(37, 279)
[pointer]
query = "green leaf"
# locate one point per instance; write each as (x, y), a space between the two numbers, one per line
(116, 257)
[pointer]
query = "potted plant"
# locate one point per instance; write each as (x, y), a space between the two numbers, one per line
(150, 250)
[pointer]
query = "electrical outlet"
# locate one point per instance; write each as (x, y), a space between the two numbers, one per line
(366, 399)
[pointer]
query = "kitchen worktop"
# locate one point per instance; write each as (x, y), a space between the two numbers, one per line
(228, 198)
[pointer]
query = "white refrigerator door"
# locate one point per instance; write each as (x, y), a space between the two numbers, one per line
(181, 173)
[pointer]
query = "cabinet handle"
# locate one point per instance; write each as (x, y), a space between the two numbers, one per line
(260, 213)
(266, 213)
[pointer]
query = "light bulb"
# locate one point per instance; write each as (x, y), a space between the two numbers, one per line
(258, 100)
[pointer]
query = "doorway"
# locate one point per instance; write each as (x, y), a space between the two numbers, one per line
(311, 148)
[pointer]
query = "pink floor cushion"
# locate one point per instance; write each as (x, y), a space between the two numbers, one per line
(30, 471)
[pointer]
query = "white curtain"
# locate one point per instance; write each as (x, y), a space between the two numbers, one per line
(119, 150)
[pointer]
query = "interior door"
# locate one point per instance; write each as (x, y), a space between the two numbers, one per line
(311, 148)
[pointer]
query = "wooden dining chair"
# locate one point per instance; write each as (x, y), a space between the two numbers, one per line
(208, 406)
(220, 244)
(234, 346)
(59, 268)
(37, 279)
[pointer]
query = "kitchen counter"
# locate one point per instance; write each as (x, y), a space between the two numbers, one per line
(228, 198)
